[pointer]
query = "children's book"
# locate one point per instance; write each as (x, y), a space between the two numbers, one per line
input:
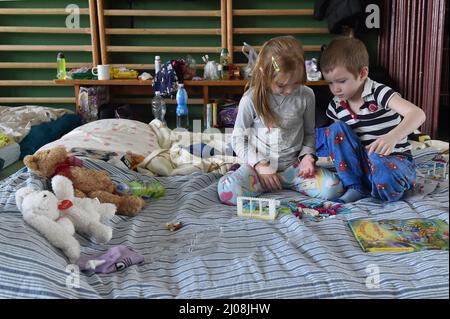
(400, 235)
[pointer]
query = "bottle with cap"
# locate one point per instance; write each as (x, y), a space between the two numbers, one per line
(152, 189)
(182, 111)
(157, 64)
(60, 66)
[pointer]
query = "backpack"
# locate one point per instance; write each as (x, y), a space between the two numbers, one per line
(166, 81)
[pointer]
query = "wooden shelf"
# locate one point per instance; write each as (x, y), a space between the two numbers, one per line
(149, 82)
(29, 11)
(104, 82)
(131, 86)
(215, 83)
(237, 83)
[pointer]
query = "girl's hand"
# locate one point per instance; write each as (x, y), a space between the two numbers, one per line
(384, 145)
(268, 177)
(307, 166)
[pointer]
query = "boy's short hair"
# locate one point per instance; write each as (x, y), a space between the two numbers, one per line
(346, 52)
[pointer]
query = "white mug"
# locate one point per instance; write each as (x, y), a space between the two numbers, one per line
(102, 71)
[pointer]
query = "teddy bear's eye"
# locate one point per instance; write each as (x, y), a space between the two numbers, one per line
(45, 195)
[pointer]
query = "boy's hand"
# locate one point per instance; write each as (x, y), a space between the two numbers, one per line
(384, 145)
(268, 176)
(307, 166)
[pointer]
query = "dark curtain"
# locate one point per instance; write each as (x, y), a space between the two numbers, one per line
(411, 49)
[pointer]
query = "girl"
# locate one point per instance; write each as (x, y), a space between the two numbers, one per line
(274, 131)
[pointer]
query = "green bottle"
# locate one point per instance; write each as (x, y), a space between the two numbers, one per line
(60, 66)
(152, 189)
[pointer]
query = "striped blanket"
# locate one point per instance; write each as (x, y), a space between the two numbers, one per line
(219, 255)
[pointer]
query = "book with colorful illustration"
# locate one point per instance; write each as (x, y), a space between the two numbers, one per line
(400, 235)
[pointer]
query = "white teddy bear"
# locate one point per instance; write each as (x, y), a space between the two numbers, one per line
(40, 210)
(57, 216)
(87, 214)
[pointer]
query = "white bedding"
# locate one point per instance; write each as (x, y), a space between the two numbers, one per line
(110, 135)
(166, 151)
(17, 121)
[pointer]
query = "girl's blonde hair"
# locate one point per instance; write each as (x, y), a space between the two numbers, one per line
(281, 54)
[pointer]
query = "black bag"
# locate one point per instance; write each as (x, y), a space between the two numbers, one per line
(106, 111)
(133, 112)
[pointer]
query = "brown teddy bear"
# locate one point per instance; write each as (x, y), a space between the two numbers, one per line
(87, 182)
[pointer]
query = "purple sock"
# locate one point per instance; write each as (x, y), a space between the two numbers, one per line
(114, 259)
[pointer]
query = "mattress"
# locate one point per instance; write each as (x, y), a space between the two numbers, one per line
(216, 254)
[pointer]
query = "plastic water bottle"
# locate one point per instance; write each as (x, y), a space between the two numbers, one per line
(152, 189)
(182, 109)
(157, 64)
(60, 66)
(158, 107)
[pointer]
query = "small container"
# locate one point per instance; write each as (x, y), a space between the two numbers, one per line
(226, 72)
(220, 72)
(224, 56)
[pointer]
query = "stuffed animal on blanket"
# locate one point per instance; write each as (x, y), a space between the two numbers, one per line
(58, 215)
(87, 182)
(40, 210)
(87, 215)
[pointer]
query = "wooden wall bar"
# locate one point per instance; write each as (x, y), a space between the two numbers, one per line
(87, 7)
(131, 33)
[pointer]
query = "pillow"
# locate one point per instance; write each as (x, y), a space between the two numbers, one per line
(47, 132)
(111, 135)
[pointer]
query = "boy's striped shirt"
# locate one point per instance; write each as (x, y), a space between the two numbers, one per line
(374, 118)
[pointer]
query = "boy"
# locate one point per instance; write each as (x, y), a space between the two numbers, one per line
(368, 140)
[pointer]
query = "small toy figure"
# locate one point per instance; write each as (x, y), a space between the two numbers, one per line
(315, 210)
(173, 226)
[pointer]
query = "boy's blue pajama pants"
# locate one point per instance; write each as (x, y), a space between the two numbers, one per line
(245, 182)
(386, 177)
